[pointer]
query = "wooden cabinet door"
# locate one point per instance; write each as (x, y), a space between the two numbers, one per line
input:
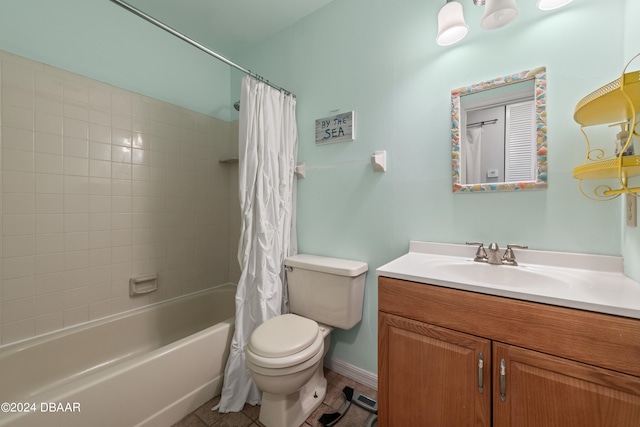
(543, 390)
(429, 376)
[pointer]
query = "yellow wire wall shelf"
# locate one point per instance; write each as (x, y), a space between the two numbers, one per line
(618, 101)
(609, 104)
(608, 169)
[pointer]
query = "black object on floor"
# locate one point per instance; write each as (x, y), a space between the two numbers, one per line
(352, 396)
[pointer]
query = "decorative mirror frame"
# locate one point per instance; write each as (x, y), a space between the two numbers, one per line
(540, 76)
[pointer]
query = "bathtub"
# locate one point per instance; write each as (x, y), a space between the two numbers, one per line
(146, 367)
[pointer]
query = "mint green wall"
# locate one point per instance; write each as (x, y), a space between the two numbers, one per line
(380, 59)
(98, 39)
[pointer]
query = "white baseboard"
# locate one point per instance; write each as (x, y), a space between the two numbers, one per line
(352, 372)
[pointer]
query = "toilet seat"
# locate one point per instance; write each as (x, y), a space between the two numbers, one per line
(285, 341)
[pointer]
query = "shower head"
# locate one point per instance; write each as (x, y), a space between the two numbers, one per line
(236, 105)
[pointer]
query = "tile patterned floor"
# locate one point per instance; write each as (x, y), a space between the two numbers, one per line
(248, 417)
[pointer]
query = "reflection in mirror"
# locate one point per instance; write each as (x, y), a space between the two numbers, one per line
(499, 134)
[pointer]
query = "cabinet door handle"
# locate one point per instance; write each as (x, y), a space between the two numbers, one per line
(503, 380)
(480, 373)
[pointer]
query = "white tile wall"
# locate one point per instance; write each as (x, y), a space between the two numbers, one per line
(99, 184)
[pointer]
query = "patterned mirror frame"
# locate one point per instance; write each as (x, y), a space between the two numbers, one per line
(540, 77)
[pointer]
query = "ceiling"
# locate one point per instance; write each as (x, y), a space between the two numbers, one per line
(228, 26)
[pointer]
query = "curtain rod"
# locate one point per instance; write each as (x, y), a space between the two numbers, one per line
(482, 123)
(194, 43)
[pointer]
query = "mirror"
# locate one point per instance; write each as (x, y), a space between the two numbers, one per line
(499, 134)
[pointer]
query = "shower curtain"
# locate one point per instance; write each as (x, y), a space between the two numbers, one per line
(473, 154)
(268, 144)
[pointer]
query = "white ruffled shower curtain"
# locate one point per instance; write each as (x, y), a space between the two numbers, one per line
(268, 145)
(473, 154)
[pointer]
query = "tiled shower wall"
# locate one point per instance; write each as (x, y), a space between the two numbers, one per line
(99, 185)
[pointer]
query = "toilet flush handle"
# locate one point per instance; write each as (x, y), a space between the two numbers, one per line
(288, 268)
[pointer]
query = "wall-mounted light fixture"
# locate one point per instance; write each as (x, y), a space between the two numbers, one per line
(552, 4)
(497, 13)
(451, 25)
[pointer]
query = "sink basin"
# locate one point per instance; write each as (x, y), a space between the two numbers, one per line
(501, 275)
(582, 281)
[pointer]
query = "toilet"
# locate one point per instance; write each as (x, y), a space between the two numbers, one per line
(285, 354)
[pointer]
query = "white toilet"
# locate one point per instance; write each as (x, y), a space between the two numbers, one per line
(285, 354)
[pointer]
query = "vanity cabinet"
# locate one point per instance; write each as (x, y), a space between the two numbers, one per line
(430, 375)
(448, 357)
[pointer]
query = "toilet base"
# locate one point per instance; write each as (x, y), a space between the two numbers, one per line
(293, 409)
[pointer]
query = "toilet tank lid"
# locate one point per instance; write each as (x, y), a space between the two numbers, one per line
(341, 267)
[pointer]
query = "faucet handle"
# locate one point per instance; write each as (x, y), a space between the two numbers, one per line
(509, 257)
(481, 254)
(511, 245)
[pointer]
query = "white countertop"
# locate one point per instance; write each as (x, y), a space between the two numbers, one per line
(588, 282)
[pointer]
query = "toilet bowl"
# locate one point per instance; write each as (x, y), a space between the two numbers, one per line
(285, 354)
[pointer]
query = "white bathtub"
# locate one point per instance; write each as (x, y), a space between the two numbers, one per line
(146, 367)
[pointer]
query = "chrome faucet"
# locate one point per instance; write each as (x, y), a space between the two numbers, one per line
(509, 257)
(481, 254)
(493, 255)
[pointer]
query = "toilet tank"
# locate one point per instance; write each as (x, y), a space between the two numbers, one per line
(327, 290)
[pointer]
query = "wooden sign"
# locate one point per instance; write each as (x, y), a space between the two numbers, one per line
(338, 128)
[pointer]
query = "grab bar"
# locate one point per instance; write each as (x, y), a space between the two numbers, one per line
(150, 281)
